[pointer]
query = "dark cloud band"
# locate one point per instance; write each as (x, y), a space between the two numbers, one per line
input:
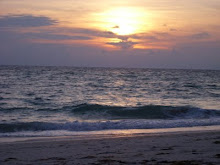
(26, 21)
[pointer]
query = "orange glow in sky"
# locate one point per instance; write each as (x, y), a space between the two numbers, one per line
(130, 19)
(124, 21)
(120, 25)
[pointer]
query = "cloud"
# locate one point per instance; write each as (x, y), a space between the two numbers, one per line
(152, 37)
(173, 29)
(202, 35)
(25, 21)
(115, 27)
(51, 36)
(80, 33)
(25, 47)
(123, 44)
(162, 34)
(89, 32)
(192, 55)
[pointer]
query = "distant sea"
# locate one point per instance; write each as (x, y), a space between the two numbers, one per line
(57, 101)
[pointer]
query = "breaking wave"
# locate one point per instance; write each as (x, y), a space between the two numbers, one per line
(106, 125)
(93, 117)
(142, 112)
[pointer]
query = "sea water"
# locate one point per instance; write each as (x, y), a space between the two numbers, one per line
(57, 101)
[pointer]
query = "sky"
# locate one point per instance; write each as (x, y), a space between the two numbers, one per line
(122, 33)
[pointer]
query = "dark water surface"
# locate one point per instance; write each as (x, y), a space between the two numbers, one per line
(36, 99)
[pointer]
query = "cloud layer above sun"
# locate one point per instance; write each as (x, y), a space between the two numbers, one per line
(111, 34)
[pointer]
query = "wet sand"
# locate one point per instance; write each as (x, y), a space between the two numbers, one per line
(182, 148)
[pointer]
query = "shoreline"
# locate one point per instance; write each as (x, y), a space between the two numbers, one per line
(183, 147)
(87, 135)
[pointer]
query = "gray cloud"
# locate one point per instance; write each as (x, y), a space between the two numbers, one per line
(90, 32)
(16, 49)
(7, 36)
(153, 36)
(202, 35)
(173, 29)
(25, 21)
(51, 36)
(123, 44)
(149, 37)
(192, 55)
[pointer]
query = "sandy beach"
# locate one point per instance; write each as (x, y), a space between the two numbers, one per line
(179, 148)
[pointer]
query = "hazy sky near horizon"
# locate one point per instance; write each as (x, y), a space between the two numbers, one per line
(122, 33)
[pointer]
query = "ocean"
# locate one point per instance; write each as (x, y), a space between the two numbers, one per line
(59, 101)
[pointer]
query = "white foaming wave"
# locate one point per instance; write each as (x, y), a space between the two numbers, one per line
(63, 129)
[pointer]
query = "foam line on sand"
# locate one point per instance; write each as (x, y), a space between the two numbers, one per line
(180, 148)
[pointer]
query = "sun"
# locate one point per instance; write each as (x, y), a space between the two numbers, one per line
(123, 21)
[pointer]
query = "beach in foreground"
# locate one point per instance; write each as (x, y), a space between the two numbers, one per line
(176, 148)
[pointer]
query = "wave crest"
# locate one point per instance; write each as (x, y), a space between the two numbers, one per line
(105, 125)
(142, 112)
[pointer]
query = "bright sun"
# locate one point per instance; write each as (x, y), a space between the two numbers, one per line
(123, 21)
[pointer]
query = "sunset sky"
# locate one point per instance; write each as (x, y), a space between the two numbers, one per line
(122, 33)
